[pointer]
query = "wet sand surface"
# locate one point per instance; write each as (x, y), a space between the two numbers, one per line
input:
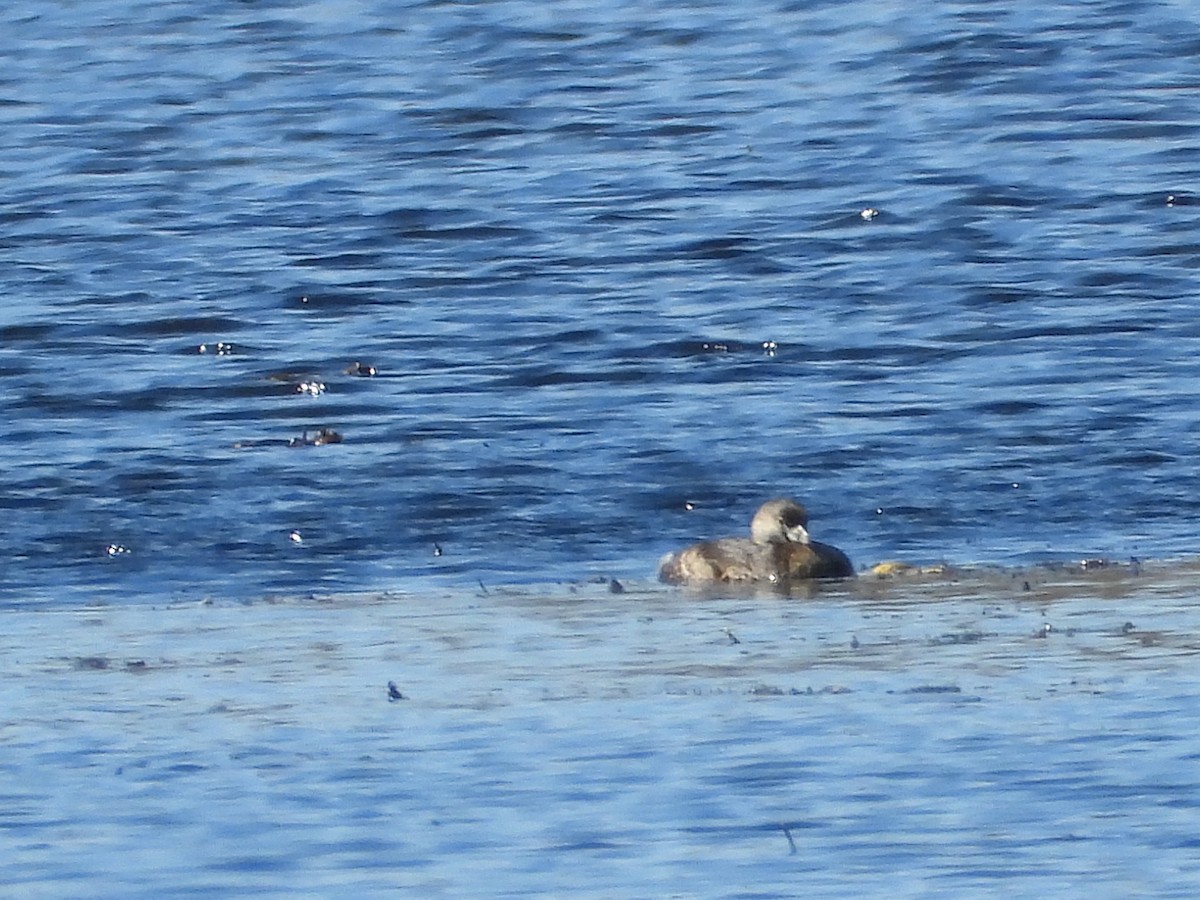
(967, 733)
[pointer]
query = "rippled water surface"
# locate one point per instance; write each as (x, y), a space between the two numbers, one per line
(609, 267)
(970, 737)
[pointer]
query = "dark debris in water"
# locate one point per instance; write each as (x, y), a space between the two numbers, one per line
(1099, 577)
(613, 585)
(708, 348)
(770, 690)
(103, 663)
(320, 438)
(958, 637)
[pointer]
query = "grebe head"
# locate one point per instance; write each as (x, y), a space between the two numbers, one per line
(780, 521)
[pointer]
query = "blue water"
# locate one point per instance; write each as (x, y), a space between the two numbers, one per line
(609, 265)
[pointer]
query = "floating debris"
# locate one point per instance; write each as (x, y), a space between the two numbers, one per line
(327, 436)
(767, 690)
(958, 637)
(322, 437)
(892, 568)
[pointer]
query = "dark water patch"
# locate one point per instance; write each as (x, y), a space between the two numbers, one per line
(1145, 459)
(1003, 294)
(545, 377)
(181, 326)
(1011, 407)
(719, 248)
(34, 332)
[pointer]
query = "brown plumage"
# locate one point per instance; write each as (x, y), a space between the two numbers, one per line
(778, 550)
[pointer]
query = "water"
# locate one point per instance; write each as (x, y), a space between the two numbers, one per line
(609, 264)
(929, 740)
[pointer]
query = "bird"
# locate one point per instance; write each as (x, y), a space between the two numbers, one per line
(778, 551)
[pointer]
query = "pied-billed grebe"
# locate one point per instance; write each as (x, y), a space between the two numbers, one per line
(778, 550)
